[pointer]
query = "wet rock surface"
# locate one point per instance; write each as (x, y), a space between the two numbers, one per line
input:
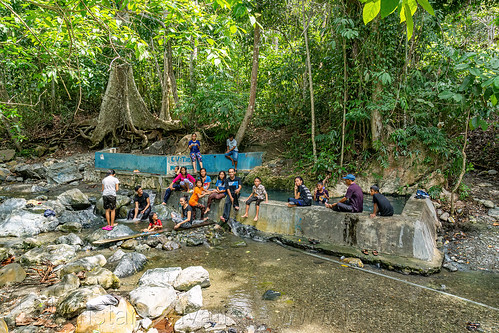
(129, 264)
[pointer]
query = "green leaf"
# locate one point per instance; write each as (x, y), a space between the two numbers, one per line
(233, 29)
(462, 66)
(388, 7)
(496, 82)
(371, 10)
(493, 99)
(446, 94)
(475, 71)
(473, 123)
(410, 22)
(483, 124)
(426, 6)
(413, 6)
(466, 82)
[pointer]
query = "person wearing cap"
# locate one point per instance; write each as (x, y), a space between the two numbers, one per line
(381, 205)
(353, 201)
(109, 189)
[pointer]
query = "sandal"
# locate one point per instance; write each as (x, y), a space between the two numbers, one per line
(365, 251)
(375, 253)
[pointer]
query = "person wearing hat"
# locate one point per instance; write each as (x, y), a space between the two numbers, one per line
(109, 189)
(353, 201)
(381, 205)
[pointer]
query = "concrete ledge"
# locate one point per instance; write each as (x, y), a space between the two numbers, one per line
(406, 242)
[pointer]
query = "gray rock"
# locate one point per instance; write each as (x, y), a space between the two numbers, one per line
(160, 277)
(69, 282)
(129, 264)
(5, 253)
(171, 245)
(56, 206)
(116, 257)
(450, 266)
(152, 241)
(157, 148)
(84, 264)
(129, 244)
(63, 173)
(4, 174)
(150, 302)
(22, 223)
(195, 240)
(488, 203)
(189, 301)
(102, 277)
(75, 199)
(203, 319)
(444, 217)
(56, 254)
(30, 305)
(142, 248)
(86, 218)
(192, 276)
(75, 302)
(10, 205)
(120, 230)
(70, 239)
(492, 172)
(31, 171)
(11, 273)
(494, 212)
(70, 227)
(7, 155)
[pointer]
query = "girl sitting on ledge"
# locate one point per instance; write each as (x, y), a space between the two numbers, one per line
(186, 180)
(303, 197)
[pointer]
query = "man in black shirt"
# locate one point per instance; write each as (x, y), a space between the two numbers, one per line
(233, 185)
(382, 206)
(142, 205)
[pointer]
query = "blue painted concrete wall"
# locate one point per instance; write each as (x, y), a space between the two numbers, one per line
(164, 165)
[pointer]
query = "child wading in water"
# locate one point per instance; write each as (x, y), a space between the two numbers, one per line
(154, 223)
(303, 197)
(258, 195)
(199, 192)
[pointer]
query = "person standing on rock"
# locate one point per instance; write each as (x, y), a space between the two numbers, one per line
(233, 185)
(302, 197)
(110, 186)
(195, 153)
(232, 152)
(353, 201)
(142, 205)
(381, 205)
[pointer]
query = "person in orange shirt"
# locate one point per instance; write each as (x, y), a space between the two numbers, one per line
(199, 192)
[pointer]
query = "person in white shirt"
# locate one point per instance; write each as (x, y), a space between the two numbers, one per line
(109, 188)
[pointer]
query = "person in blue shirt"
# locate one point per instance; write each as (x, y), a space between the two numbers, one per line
(194, 145)
(219, 191)
(233, 185)
(205, 178)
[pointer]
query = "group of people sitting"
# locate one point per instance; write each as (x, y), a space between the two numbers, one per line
(229, 187)
(352, 202)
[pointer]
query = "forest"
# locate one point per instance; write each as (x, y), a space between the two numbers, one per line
(334, 84)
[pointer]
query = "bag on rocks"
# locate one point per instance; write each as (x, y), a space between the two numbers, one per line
(101, 302)
(49, 212)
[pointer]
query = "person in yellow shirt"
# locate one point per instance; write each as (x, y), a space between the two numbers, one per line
(198, 193)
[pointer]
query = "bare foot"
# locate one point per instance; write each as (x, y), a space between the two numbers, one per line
(222, 219)
(290, 205)
(255, 219)
(206, 211)
(245, 215)
(236, 208)
(204, 219)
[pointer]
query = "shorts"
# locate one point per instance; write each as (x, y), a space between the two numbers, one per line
(196, 155)
(253, 198)
(297, 202)
(187, 182)
(109, 202)
(234, 154)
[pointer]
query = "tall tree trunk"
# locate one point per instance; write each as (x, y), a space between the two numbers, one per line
(376, 121)
(311, 86)
(192, 65)
(345, 98)
(165, 98)
(171, 73)
(254, 81)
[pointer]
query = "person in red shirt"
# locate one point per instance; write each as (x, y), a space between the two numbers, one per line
(154, 223)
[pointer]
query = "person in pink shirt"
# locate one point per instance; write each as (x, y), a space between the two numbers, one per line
(186, 180)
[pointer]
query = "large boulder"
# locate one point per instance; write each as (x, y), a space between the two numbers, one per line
(76, 301)
(203, 319)
(75, 199)
(63, 173)
(160, 277)
(30, 305)
(192, 276)
(120, 230)
(56, 254)
(129, 264)
(113, 319)
(103, 277)
(7, 155)
(22, 223)
(4, 174)
(11, 273)
(121, 201)
(84, 264)
(70, 239)
(189, 301)
(68, 283)
(86, 217)
(150, 302)
(31, 171)
(10, 205)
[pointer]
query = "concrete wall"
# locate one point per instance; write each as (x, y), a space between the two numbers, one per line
(165, 165)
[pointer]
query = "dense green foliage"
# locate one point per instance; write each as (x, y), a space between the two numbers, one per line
(424, 78)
